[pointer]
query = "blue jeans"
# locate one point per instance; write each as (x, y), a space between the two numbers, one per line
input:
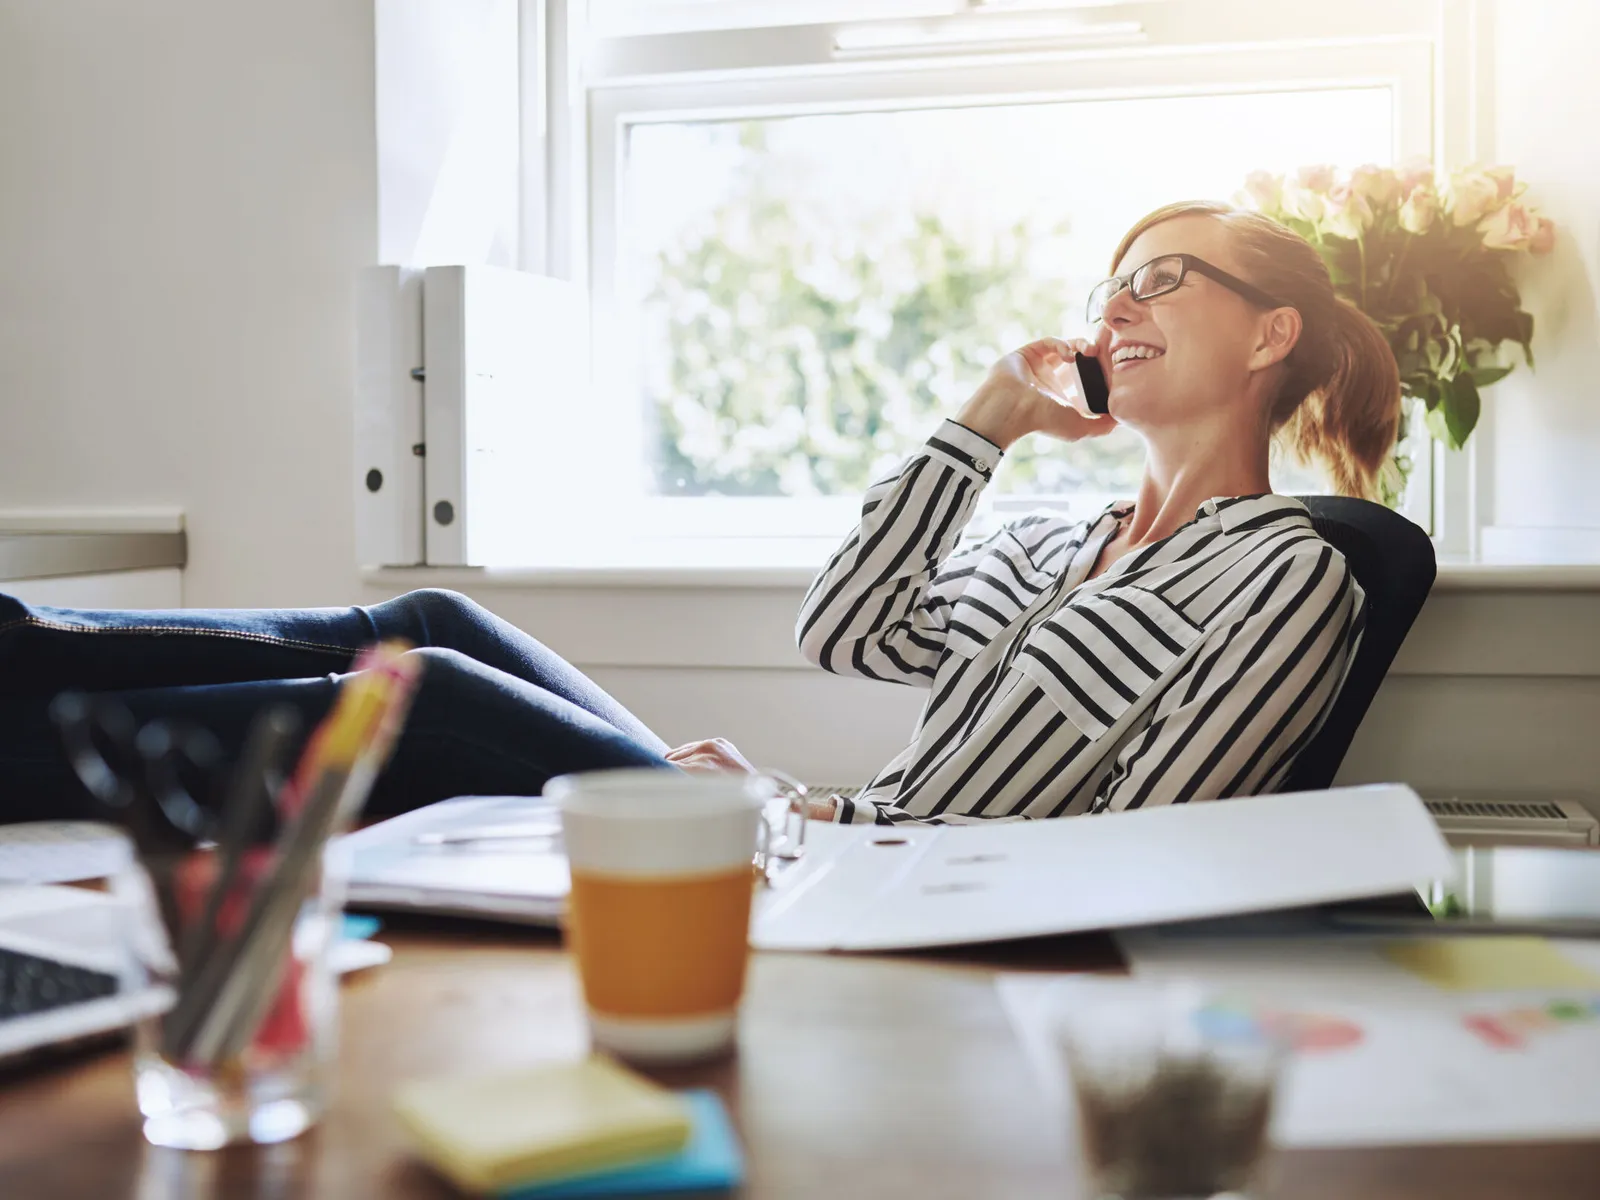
(497, 713)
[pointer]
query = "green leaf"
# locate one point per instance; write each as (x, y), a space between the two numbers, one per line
(1457, 415)
(1484, 376)
(1437, 425)
(1436, 356)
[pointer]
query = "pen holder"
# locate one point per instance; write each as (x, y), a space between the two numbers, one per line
(246, 1052)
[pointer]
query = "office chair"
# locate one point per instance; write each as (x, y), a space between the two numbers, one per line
(1392, 559)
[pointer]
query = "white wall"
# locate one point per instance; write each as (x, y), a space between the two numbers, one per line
(448, 132)
(1546, 424)
(186, 189)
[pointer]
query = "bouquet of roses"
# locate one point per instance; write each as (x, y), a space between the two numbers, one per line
(1429, 260)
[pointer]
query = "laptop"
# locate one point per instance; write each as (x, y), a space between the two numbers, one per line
(68, 973)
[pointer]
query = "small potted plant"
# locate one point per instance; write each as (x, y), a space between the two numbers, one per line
(1430, 260)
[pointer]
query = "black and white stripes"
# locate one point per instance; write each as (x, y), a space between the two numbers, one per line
(1195, 668)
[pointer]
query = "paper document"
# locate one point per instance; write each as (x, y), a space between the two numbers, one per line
(484, 856)
(1383, 1054)
(898, 887)
(1445, 1068)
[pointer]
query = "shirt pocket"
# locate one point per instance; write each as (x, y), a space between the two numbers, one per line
(1003, 585)
(1098, 655)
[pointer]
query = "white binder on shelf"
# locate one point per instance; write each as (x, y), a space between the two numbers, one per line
(507, 365)
(388, 417)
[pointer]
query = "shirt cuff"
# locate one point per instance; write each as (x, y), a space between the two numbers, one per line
(966, 451)
(852, 812)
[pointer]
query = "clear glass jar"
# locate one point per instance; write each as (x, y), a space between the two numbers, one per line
(256, 1065)
(1172, 1086)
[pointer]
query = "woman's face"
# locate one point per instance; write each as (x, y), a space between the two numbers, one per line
(1197, 346)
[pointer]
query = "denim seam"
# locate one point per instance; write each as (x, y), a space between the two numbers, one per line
(226, 634)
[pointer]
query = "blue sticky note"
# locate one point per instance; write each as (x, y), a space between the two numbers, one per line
(711, 1161)
(359, 927)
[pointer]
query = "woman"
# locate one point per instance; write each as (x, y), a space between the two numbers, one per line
(1182, 646)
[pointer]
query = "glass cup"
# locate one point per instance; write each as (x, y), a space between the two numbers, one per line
(245, 1055)
(659, 914)
(1173, 1087)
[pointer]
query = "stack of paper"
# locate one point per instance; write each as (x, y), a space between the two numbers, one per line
(1394, 1042)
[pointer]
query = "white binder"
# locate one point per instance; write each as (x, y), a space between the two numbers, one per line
(507, 364)
(388, 417)
(877, 887)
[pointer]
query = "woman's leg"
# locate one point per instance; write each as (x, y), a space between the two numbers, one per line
(448, 620)
(48, 650)
(472, 730)
(501, 726)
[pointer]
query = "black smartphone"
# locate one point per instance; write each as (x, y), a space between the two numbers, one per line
(1092, 382)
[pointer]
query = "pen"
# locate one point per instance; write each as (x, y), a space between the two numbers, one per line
(491, 833)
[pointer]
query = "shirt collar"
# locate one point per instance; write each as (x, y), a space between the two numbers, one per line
(1254, 512)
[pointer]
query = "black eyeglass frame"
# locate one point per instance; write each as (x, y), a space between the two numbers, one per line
(1188, 262)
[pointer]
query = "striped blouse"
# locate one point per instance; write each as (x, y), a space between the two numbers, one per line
(1195, 668)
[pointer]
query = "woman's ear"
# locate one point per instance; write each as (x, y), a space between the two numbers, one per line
(1278, 333)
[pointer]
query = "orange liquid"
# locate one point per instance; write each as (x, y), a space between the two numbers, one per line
(661, 947)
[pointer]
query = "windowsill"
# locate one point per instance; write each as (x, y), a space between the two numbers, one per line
(1462, 576)
(730, 562)
(792, 563)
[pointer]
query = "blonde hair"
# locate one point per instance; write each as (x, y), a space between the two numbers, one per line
(1339, 403)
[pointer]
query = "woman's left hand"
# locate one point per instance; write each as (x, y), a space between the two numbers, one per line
(822, 810)
(710, 757)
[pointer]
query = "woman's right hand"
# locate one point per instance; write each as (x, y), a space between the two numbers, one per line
(1026, 392)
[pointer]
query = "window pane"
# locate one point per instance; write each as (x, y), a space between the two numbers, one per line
(814, 292)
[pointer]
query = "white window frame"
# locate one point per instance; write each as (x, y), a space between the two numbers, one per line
(1432, 54)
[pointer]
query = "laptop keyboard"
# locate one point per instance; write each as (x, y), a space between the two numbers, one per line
(30, 984)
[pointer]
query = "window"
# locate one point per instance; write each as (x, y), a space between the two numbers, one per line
(814, 292)
(801, 256)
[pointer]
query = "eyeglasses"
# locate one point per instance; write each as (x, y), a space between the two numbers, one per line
(1162, 275)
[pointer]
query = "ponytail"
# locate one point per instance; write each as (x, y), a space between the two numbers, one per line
(1349, 424)
(1338, 405)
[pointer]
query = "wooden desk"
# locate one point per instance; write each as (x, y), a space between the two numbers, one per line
(857, 1078)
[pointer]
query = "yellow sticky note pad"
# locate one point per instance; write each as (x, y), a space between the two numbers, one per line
(1489, 964)
(491, 1132)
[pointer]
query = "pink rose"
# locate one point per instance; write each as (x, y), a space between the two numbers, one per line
(1509, 228)
(1379, 185)
(1415, 173)
(1314, 179)
(1304, 203)
(1420, 210)
(1505, 180)
(1348, 213)
(1263, 190)
(1473, 196)
(1544, 237)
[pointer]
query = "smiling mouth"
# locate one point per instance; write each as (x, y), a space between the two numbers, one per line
(1128, 356)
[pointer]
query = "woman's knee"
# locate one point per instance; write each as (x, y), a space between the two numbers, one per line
(442, 602)
(444, 616)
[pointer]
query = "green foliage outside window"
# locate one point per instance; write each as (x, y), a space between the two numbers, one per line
(790, 355)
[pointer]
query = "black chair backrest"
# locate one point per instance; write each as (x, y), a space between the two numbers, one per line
(1392, 559)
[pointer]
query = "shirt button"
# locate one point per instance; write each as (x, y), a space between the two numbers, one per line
(979, 464)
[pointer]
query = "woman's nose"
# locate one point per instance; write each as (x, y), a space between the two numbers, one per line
(1122, 309)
